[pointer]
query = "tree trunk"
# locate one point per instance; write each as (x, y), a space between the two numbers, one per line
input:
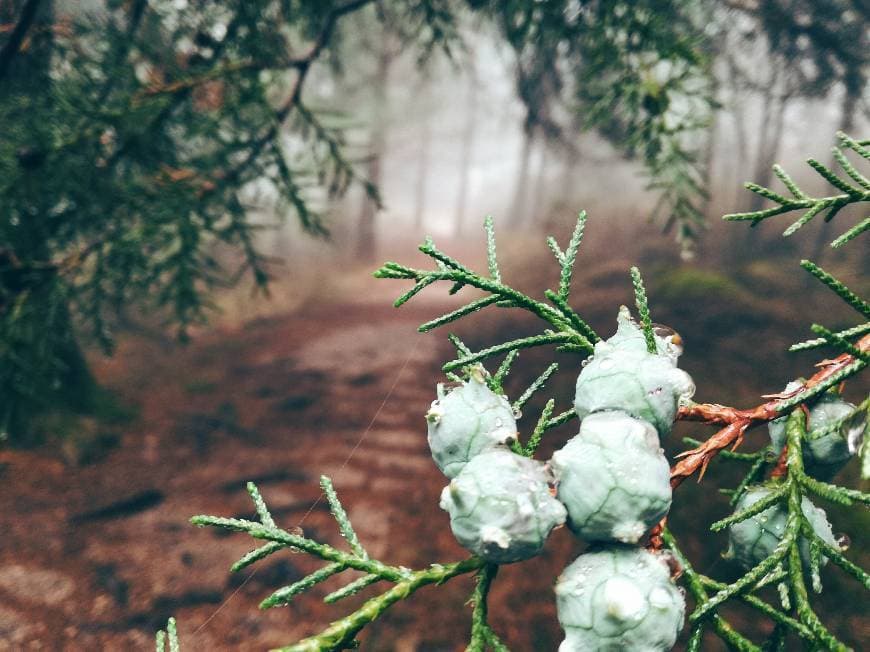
(518, 207)
(539, 196)
(467, 153)
(422, 172)
(366, 245)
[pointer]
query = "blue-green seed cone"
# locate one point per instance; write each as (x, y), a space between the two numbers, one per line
(622, 375)
(613, 478)
(467, 421)
(823, 456)
(501, 507)
(753, 540)
(619, 598)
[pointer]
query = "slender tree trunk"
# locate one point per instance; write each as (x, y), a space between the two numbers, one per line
(366, 245)
(768, 140)
(422, 172)
(539, 196)
(518, 207)
(467, 154)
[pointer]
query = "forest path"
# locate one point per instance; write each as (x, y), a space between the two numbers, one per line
(98, 556)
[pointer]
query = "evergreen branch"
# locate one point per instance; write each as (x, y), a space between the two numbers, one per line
(285, 594)
(13, 44)
(260, 505)
(323, 551)
(830, 381)
(837, 424)
(460, 346)
(501, 373)
(748, 581)
(171, 634)
(860, 329)
(559, 419)
(828, 175)
(842, 344)
(787, 181)
(696, 587)
(537, 384)
(557, 252)
(726, 454)
(814, 205)
(802, 604)
(576, 321)
(643, 310)
(540, 428)
(850, 169)
(351, 589)
(570, 256)
(834, 493)
(479, 625)
(341, 632)
(491, 259)
(755, 471)
(837, 557)
(467, 309)
(857, 146)
(419, 286)
(522, 343)
(256, 555)
(838, 287)
(766, 608)
(341, 518)
(768, 501)
(851, 234)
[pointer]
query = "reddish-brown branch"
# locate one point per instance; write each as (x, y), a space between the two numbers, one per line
(737, 422)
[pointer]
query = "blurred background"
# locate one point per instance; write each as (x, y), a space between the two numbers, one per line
(193, 196)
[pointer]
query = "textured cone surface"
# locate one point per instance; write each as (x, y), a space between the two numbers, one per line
(613, 478)
(823, 456)
(753, 540)
(619, 598)
(622, 375)
(467, 421)
(501, 507)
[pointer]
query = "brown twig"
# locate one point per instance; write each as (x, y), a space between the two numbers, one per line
(16, 37)
(737, 422)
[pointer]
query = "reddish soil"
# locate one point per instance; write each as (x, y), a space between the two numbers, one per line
(99, 556)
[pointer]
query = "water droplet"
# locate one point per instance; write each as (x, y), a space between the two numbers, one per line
(843, 542)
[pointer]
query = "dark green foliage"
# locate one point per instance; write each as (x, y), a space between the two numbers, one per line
(133, 137)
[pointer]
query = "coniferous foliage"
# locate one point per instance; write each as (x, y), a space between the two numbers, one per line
(134, 137)
(778, 533)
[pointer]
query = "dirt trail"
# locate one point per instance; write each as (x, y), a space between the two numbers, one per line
(97, 557)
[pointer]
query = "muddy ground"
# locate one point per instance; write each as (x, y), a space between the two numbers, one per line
(97, 556)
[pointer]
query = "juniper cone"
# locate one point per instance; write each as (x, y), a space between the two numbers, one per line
(501, 507)
(619, 598)
(466, 421)
(753, 540)
(623, 375)
(613, 478)
(823, 456)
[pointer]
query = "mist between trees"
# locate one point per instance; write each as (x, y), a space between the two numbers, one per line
(154, 152)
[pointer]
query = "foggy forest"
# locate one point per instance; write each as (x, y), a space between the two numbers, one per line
(255, 249)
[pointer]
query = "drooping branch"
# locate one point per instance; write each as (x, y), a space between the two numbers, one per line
(13, 45)
(737, 422)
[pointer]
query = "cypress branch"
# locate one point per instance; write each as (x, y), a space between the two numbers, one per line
(341, 518)
(643, 310)
(838, 287)
(855, 331)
